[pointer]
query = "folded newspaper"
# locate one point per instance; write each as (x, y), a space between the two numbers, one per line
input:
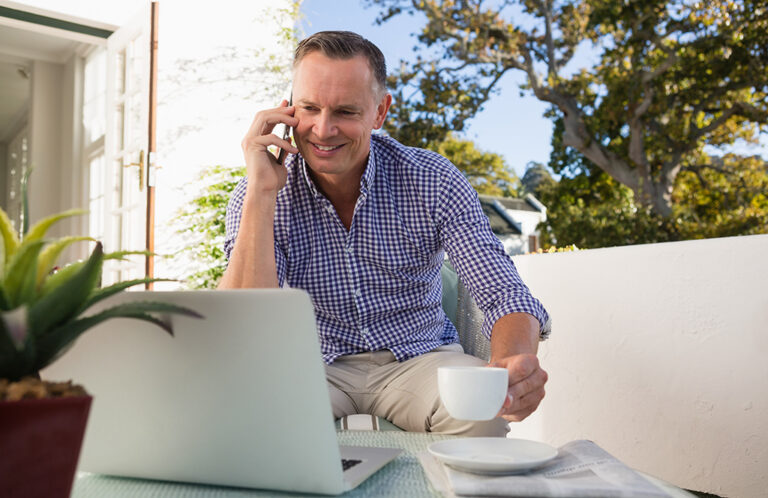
(581, 468)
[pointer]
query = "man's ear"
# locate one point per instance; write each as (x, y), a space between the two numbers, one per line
(381, 111)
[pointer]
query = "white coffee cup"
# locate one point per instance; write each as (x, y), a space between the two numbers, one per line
(472, 393)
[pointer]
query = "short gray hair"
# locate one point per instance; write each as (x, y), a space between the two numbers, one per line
(344, 45)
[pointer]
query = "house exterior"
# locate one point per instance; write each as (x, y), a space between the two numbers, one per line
(117, 105)
(515, 221)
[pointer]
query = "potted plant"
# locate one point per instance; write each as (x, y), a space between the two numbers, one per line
(42, 311)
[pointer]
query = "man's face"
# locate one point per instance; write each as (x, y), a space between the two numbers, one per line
(337, 109)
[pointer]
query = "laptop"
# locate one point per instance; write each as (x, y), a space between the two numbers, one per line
(238, 398)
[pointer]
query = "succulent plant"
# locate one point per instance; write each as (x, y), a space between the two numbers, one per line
(42, 310)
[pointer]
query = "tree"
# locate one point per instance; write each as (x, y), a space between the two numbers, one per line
(486, 171)
(201, 224)
(536, 178)
(590, 209)
(672, 78)
(728, 198)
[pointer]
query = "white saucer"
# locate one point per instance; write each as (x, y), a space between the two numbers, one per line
(492, 455)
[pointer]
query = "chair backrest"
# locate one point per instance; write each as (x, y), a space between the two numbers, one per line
(464, 313)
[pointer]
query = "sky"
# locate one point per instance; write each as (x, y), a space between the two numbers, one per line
(510, 125)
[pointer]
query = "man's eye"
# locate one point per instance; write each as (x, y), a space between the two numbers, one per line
(347, 113)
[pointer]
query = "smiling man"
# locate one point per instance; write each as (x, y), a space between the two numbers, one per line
(362, 223)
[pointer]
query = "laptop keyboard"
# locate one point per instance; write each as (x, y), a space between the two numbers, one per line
(348, 463)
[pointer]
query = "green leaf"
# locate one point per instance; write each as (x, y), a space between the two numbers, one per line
(7, 346)
(19, 282)
(65, 300)
(54, 344)
(61, 276)
(151, 307)
(49, 255)
(121, 255)
(16, 360)
(99, 294)
(38, 231)
(10, 242)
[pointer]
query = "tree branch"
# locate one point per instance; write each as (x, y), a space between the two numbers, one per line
(545, 9)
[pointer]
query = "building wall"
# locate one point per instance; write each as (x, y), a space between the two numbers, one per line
(528, 220)
(3, 173)
(45, 156)
(658, 354)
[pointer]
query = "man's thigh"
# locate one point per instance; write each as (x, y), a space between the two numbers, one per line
(408, 395)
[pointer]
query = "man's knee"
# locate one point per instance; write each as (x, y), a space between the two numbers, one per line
(341, 403)
(443, 423)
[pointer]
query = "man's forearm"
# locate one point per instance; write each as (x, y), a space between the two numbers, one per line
(516, 333)
(252, 261)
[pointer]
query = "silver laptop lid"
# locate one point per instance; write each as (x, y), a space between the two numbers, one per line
(238, 398)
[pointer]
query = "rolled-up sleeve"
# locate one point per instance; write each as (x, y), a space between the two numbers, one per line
(232, 223)
(480, 259)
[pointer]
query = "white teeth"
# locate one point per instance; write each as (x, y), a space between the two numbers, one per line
(324, 148)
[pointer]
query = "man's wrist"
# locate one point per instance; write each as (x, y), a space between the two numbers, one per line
(513, 334)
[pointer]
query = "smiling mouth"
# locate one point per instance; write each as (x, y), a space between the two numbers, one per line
(326, 148)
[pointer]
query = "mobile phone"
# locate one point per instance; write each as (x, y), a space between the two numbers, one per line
(286, 134)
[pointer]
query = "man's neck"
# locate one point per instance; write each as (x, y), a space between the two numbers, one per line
(341, 189)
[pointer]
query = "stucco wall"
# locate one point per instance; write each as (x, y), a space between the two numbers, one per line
(658, 353)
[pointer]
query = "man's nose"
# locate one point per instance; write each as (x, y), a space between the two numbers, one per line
(324, 125)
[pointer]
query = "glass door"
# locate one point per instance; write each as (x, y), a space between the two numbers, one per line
(126, 147)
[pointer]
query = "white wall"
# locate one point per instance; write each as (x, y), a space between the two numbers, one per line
(3, 173)
(658, 354)
(528, 220)
(45, 140)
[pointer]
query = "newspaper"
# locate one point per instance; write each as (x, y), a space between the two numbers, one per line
(581, 469)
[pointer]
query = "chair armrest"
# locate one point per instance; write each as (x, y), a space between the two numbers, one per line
(464, 314)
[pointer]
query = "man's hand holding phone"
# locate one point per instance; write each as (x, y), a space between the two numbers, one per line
(266, 173)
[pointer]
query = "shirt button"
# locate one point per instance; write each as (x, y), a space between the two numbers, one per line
(358, 293)
(365, 331)
(349, 249)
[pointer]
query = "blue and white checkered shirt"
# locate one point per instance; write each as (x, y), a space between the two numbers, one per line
(378, 286)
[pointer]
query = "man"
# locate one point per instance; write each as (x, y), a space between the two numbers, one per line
(361, 223)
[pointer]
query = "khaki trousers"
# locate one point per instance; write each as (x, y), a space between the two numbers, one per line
(405, 393)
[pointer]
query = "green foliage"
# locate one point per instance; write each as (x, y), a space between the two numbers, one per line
(41, 310)
(671, 78)
(202, 225)
(718, 197)
(595, 211)
(728, 196)
(486, 171)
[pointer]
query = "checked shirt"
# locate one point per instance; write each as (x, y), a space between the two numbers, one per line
(377, 285)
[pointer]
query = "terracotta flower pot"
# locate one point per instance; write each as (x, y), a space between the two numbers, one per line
(40, 442)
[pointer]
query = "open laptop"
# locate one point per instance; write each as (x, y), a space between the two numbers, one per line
(238, 398)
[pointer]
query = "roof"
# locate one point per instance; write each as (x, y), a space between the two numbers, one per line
(528, 203)
(501, 222)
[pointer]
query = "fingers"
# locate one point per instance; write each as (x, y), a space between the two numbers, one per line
(522, 407)
(526, 386)
(251, 144)
(533, 382)
(265, 121)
